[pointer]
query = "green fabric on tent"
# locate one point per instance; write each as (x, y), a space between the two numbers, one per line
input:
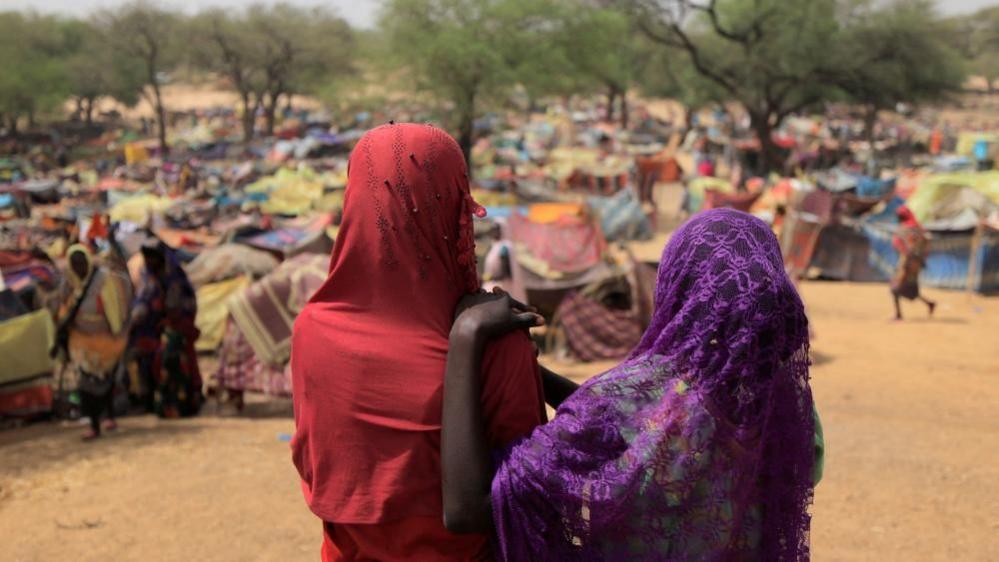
(936, 188)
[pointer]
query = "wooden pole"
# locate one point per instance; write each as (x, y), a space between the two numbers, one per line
(976, 241)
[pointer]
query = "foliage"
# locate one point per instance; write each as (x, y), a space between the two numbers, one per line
(976, 37)
(466, 51)
(92, 70)
(148, 35)
(897, 53)
(33, 76)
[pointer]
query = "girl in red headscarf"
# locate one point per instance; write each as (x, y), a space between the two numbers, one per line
(911, 243)
(369, 350)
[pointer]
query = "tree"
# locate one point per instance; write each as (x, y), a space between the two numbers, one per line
(147, 34)
(93, 70)
(295, 51)
(774, 57)
(604, 50)
(465, 50)
(897, 53)
(33, 78)
(223, 44)
(674, 77)
(976, 37)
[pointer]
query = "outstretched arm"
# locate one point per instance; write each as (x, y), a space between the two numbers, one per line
(466, 464)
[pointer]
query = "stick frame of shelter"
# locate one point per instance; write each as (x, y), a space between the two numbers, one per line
(976, 242)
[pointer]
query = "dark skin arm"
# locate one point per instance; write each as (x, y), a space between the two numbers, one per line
(466, 464)
(557, 388)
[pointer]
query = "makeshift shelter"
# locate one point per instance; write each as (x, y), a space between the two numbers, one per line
(228, 261)
(606, 319)
(25, 379)
(213, 310)
(548, 259)
(621, 216)
(265, 312)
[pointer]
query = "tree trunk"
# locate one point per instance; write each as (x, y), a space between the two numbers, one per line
(12, 125)
(249, 116)
(78, 112)
(88, 112)
(870, 121)
(625, 113)
(769, 159)
(161, 118)
(31, 119)
(270, 109)
(288, 99)
(611, 98)
(466, 129)
(688, 122)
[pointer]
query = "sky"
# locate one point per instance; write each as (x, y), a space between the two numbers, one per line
(360, 13)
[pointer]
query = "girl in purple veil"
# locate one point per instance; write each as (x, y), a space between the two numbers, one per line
(700, 446)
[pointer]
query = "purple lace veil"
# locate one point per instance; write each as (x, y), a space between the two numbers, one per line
(700, 445)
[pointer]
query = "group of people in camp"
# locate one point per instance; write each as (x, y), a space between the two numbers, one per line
(111, 323)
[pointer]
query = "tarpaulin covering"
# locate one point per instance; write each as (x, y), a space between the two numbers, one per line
(936, 188)
(842, 252)
(139, 208)
(228, 261)
(212, 310)
(24, 346)
(26, 366)
(266, 311)
(622, 216)
(566, 246)
(949, 260)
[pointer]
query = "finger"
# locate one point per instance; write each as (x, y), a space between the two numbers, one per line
(517, 305)
(528, 320)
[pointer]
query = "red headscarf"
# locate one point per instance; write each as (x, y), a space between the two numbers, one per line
(369, 350)
(906, 217)
(910, 236)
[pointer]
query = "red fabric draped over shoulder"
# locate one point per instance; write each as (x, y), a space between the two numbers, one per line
(369, 351)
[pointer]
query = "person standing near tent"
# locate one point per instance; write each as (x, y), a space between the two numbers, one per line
(911, 243)
(164, 334)
(93, 332)
(368, 355)
(704, 444)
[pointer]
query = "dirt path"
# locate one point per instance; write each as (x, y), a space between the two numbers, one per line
(911, 414)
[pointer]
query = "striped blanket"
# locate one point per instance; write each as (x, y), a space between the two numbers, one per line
(266, 311)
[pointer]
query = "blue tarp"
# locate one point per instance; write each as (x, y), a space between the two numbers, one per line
(948, 261)
(621, 216)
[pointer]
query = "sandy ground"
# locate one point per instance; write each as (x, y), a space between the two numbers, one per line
(911, 414)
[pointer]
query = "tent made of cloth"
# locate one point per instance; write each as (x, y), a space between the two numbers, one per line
(955, 260)
(622, 216)
(137, 209)
(265, 312)
(967, 140)
(862, 250)
(937, 194)
(25, 379)
(567, 246)
(228, 261)
(606, 319)
(287, 242)
(212, 310)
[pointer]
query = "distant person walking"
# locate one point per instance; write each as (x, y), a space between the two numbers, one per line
(93, 332)
(911, 243)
